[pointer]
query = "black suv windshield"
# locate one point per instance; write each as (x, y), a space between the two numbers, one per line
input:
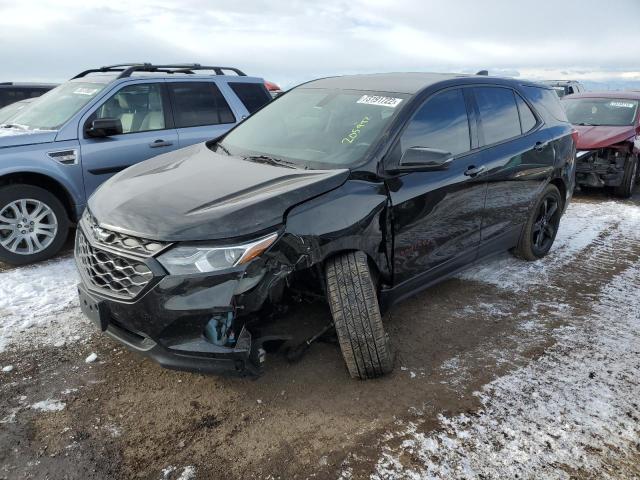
(315, 128)
(600, 111)
(54, 108)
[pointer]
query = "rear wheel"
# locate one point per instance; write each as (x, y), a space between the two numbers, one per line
(354, 305)
(33, 224)
(625, 189)
(541, 228)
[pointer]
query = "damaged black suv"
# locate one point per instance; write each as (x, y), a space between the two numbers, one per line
(365, 189)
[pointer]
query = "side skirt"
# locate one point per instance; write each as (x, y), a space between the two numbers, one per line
(392, 295)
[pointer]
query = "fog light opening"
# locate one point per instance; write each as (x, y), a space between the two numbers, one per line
(219, 330)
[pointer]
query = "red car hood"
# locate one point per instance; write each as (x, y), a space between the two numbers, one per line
(592, 137)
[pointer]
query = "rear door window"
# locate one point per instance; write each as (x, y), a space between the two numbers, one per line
(527, 118)
(198, 104)
(498, 113)
(441, 123)
(253, 95)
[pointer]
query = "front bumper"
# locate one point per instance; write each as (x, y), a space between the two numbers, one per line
(592, 170)
(190, 351)
(166, 319)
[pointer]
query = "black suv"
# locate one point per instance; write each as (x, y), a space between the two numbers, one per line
(363, 188)
(11, 92)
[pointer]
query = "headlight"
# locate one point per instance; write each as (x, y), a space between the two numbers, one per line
(184, 260)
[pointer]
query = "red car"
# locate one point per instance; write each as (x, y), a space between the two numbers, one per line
(609, 139)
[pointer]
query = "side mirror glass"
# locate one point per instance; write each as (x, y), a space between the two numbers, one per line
(423, 159)
(104, 127)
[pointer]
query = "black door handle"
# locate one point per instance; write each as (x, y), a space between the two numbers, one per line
(160, 143)
(474, 171)
(540, 146)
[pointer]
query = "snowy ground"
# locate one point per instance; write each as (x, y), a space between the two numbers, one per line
(39, 305)
(576, 410)
(513, 370)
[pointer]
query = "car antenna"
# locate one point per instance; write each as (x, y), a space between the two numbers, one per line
(483, 72)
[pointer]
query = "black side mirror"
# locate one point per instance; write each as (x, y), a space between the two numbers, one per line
(423, 159)
(104, 127)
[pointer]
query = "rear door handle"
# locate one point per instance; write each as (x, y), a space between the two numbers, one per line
(160, 143)
(474, 171)
(540, 146)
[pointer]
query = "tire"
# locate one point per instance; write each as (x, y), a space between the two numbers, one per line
(44, 238)
(531, 245)
(356, 314)
(625, 189)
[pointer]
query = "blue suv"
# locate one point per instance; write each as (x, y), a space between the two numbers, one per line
(57, 150)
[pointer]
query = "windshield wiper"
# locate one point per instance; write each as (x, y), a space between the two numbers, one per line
(271, 161)
(14, 125)
(223, 148)
(585, 124)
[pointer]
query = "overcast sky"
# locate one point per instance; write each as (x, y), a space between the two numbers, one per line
(292, 41)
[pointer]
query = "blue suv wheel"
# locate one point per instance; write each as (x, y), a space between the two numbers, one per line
(33, 224)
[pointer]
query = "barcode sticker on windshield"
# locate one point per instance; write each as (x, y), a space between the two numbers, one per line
(622, 104)
(381, 101)
(85, 91)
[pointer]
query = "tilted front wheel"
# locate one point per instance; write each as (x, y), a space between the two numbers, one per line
(33, 224)
(354, 305)
(541, 228)
(625, 189)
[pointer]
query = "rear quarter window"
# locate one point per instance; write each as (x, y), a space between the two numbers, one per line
(254, 96)
(546, 99)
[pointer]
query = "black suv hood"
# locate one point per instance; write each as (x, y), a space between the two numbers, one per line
(195, 194)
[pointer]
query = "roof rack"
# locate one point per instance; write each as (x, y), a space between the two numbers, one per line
(127, 69)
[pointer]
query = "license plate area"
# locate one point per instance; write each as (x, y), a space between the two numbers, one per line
(94, 309)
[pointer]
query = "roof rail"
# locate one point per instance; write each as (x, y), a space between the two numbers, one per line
(127, 69)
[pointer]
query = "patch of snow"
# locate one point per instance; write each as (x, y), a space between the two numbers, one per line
(577, 232)
(188, 473)
(7, 369)
(575, 409)
(49, 406)
(39, 305)
(167, 471)
(91, 358)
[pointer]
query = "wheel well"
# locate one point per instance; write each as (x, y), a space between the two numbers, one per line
(42, 181)
(562, 187)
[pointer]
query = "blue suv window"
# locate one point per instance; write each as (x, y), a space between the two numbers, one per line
(197, 104)
(253, 95)
(441, 123)
(138, 107)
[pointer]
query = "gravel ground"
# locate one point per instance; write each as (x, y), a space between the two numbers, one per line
(511, 370)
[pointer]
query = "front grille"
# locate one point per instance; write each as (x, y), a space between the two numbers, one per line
(108, 272)
(120, 241)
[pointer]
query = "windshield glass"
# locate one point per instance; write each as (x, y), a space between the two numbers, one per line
(54, 108)
(10, 110)
(600, 111)
(315, 128)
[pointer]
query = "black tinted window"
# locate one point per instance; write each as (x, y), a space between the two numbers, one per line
(199, 103)
(253, 95)
(527, 118)
(548, 99)
(440, 123)
(498, 113)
